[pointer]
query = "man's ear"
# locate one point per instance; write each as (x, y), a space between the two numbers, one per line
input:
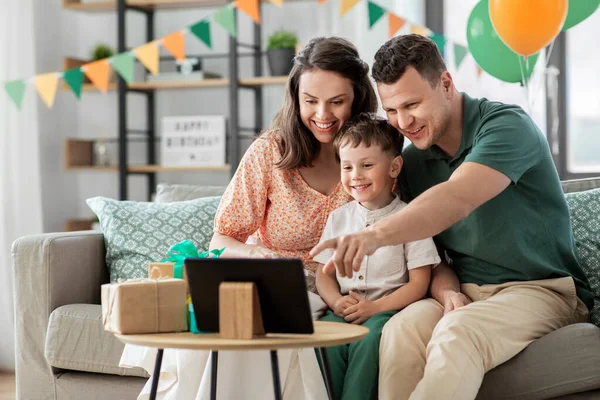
(396, 166)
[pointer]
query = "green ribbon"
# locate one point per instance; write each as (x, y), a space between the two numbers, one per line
(186, 249)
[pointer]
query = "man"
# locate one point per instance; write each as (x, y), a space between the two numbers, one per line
(480, 180)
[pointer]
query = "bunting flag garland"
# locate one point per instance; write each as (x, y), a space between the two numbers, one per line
(419, 30)
(226, 18)
(395, 24)
(202, 31)
(460, 52)
(347, 5)
(251, 8)
(74, 78)
(15, 90)
(278, 3)
(175, 44)
(124, 64)
(148, 56)
(440, 41)
(99, 74)
(46, 86)
(375, 13)
(322, 1)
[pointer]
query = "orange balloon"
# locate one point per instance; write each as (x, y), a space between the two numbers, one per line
(527, 26)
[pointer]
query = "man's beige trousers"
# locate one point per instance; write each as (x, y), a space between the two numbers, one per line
(426, 357)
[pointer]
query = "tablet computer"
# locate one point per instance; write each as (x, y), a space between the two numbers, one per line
(280, 283)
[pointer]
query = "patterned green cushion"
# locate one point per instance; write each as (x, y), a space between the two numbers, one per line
(585, 218)
(137, 233)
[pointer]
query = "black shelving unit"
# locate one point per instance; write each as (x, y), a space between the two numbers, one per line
(233, 127)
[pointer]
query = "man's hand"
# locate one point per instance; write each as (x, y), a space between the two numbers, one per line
(350, 250)
(454, 300)
(360, 312)
(342, 304)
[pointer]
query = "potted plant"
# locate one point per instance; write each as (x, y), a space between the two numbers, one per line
(101, 51)
(281, 48)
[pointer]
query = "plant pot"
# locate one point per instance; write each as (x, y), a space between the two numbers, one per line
(280, 61)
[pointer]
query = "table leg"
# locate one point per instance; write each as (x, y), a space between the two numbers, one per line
(275, 371)
(327, 372)
(213, 374)
(156, 375)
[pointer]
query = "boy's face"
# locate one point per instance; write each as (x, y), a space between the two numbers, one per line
(368, 174)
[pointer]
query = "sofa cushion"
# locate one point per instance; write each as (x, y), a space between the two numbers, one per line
(138, 233)
(585, 219)
(563, 362)
(76, 340)
(167, 193)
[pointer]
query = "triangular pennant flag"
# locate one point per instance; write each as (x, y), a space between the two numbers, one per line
(322, 1)
(347, 5)
(420, 30)
(124, 64)
(395, 24)
(250, 7)
(74, 78)
(277, 2)
(148, 56)
(460, 52)
(226, 18)
(175, 44)
(202, 31)
(440, 41)
(99, 74)
(15, 90)
(375, 13)
(46, 86)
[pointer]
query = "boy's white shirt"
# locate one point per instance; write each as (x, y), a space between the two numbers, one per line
(387, 269)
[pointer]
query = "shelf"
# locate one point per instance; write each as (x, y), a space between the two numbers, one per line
(189, 84)
(149, 5)
(145, 168)
(263, 80)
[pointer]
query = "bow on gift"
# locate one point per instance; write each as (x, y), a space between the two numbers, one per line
(186, 249)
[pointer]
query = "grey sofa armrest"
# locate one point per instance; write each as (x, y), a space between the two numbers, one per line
(50, 270)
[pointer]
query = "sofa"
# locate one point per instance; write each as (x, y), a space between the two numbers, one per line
(62, 351)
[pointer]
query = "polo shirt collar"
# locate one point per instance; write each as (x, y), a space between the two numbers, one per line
(470, 118)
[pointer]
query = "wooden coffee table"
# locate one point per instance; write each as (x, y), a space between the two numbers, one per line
(326, 334)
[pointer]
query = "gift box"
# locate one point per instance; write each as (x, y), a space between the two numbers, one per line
(145, 306)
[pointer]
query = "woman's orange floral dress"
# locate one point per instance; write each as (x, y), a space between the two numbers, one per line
(277, 206)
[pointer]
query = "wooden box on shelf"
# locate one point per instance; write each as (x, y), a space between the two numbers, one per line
(72, 225)
(78, 153)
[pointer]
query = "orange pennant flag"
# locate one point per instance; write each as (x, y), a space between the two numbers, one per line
(251, 8)
(420, 30)
(278, 2)
(175, 44)
(46, 86)
(322, 1)
(148, 56)
(99, 74)
(347, 5)
(395, 24)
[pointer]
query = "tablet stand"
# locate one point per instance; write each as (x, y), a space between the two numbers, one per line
(239, 311)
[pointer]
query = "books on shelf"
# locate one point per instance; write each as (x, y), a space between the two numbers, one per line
(193, 141)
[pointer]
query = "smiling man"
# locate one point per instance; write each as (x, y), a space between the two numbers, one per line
(480, 179)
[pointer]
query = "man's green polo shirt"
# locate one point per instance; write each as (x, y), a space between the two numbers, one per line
(525, 232)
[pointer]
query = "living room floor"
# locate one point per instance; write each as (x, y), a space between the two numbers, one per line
(7, 387)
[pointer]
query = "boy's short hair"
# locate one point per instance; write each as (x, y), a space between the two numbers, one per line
(370, 129)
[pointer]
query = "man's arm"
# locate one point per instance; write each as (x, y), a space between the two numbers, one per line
(435, 210)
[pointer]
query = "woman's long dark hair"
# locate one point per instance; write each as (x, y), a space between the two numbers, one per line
(298, 146)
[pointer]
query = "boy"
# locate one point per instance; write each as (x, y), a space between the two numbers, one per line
(368, 149)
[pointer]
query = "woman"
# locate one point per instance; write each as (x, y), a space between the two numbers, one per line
(277, 205)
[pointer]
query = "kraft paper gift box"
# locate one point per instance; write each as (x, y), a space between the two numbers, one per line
(145, 306)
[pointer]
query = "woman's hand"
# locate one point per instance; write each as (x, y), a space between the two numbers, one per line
(361, 311)
(342, 303)
(263, 252)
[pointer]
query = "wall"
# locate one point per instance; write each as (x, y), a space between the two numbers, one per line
(62, 33)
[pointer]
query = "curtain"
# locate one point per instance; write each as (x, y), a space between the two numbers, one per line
(20, 192)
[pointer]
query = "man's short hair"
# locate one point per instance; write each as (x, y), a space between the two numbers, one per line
(400, 52)
(369, 129)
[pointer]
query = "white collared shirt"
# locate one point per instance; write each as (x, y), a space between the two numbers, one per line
(387, 269)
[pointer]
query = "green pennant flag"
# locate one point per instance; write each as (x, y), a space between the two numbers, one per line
(440, 41)
(124, 63)
(459, 54)
(202, 31)
(226, 18)
(375, 13)
(16, 91)
(74, 78)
